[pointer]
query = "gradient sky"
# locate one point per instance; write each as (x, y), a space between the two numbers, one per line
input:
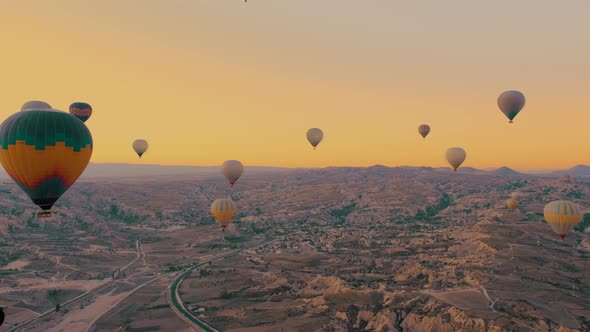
(208, 80)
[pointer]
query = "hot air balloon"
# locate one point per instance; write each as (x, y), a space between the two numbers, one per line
(511, 103)
(44, 152)
(562, 216)
(517, 195)
(314, 136)
(232, 170)
(223, 210)
(35, 105)
(512, 203)
(82, 111)
(455, 157)
(140, 146)
(424, 130)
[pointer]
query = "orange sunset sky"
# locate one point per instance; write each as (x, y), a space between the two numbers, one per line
(208, 80)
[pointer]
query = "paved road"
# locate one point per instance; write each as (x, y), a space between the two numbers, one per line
(176, 302)
(22, 325)
(91, 325)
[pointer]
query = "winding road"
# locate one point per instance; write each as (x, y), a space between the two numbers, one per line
(176, 302)
(173, 295)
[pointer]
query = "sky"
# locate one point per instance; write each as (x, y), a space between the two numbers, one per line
(209, 80)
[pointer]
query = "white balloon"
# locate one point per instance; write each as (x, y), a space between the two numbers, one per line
(232, 170)
(456, 156)
(140, 146)
(315, 136)
(35, 105)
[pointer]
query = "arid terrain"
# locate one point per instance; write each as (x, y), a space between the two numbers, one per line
(333, 249)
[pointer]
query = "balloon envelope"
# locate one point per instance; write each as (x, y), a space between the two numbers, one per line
(44, 152)
(223, 210)
(517, 195)
(35, 105)
(424, 130)
(512, 203)
(232, 170)
(562, 216)
(140, 146)
(82, 111)
(315, 136)
(456, 157)
(511, 103)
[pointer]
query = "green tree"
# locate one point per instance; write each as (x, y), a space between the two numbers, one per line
(56, 297)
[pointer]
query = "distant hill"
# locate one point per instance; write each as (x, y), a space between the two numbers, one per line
(464, 170)
(469, 170)
(114, 170)
(506, 171)
(579, 171)
(380, 170)
(378, 167)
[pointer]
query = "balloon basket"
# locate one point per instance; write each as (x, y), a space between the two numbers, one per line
(44, 214)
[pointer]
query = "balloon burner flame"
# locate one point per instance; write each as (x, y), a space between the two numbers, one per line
(44, 214)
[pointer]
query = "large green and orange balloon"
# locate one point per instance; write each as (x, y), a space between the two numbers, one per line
(44, 151)
(81, 110)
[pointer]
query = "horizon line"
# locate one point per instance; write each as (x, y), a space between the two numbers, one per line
(487, 169)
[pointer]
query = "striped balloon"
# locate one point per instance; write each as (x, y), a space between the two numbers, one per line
(82, 111)
(562, 216)
(223, 210)
(44, 152)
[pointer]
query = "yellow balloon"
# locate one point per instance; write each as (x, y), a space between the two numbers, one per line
(562, 216)
(223, 210)
(512, 203)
